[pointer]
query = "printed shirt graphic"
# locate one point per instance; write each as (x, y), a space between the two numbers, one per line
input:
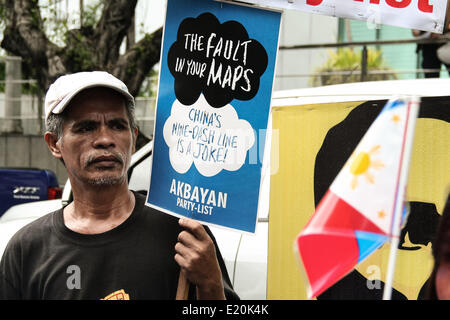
(117, 295)
(356, 214)
(216, 78)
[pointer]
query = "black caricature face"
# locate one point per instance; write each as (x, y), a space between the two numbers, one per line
(418, 232)
(218, 60)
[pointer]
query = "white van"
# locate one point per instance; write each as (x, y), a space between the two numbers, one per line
(263, 266)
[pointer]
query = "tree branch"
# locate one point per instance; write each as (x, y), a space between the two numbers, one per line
(112, 28)
(24, 36)
(87, 48)
(136, 63)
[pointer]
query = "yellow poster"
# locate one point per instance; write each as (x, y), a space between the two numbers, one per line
(314, 141)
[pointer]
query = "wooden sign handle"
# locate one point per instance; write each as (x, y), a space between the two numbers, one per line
(183, 287)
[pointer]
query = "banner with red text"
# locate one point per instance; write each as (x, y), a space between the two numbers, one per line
(427, 15)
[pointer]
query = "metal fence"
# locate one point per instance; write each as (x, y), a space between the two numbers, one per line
(23, 113)
(364, 70)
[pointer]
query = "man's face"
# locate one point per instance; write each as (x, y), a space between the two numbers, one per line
(97, 142)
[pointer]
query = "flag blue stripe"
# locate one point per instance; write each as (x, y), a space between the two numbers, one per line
(368, 242)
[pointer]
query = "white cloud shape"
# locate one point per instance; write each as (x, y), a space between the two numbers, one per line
(212, 138)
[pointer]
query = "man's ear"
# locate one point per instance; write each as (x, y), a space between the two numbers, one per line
(52, 139)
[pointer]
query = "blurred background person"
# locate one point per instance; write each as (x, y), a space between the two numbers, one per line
(439, 284)
(429, 54)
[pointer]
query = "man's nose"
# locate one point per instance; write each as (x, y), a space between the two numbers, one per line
(103, 138)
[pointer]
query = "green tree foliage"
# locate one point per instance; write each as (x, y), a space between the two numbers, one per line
(344, 66)
(52, 44)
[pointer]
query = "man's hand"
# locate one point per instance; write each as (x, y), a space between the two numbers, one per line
(196, 256)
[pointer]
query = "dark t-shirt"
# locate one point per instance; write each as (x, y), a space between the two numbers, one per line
(135, 260)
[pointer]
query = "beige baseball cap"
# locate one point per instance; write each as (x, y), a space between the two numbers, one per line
(68, 86)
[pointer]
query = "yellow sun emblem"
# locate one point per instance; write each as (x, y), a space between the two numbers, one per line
(361, 163)
(396, 118)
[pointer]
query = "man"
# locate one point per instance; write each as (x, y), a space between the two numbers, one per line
(106, 244)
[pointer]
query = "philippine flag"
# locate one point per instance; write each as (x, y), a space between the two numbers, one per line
(356, 215)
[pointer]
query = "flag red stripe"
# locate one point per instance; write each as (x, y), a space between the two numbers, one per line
(334, 213)
(328, 246)
(327, 258)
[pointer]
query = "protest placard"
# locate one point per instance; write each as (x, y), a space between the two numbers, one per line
(213, 104)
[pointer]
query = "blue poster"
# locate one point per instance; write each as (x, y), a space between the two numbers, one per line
(215, 86)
